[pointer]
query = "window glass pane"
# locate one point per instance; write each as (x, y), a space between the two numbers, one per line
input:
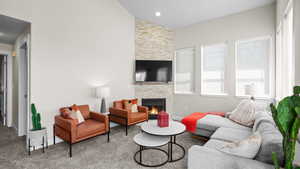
(213, 69)
(253, 66)
(184, 71)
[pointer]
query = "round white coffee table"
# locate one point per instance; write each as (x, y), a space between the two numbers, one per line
(150, 142)
(174, 129)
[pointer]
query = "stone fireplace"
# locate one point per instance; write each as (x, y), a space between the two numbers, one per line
(154, 42)
(155, 105)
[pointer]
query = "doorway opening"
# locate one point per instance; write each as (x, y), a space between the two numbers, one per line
(14, 76)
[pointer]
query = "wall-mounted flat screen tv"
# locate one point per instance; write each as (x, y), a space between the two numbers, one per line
(153, 71)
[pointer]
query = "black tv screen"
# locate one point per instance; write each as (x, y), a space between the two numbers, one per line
(153, 71)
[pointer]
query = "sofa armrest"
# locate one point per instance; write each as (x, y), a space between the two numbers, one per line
(119, 112)
(143, 109)
(101, 118)
(67, 124)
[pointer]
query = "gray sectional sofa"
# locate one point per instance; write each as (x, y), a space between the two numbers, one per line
(221, 131)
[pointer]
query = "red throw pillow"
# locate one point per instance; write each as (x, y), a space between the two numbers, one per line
(134, 101)
(65, 113)
(74, 107)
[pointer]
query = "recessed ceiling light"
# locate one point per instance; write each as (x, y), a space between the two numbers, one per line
(157, 13)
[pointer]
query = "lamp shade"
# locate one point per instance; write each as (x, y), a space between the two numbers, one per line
(102, 92)
(250, 90)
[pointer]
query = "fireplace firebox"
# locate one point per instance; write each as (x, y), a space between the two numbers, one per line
(155, 105)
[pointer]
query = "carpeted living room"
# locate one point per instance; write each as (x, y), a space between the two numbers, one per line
(134, 84)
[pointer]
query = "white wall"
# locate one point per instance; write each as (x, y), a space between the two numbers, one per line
(7, 49)
(75, 46)
(247, 25)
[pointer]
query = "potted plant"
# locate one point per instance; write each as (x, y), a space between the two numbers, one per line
(37, 136)
(287, 119)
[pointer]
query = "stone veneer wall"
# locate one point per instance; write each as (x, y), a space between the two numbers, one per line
(154, 42)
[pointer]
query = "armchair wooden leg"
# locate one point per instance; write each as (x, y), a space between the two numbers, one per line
(126, 122)
(108, 136)
(53, 134)
(70, 144)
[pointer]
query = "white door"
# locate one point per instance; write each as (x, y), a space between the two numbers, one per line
(5, 90)
(23, 90)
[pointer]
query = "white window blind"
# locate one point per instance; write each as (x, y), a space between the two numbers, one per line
(184, 70)
(213, 69)
(253, 66)
(285, 59)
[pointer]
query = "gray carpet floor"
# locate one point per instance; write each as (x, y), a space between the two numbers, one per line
(94, 153)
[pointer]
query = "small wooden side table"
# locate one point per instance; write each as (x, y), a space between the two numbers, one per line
(37, 138)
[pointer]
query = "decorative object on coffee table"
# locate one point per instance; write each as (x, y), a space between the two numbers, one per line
(150, 142)
(163, 119)
(103, 92)
(287, 119)
(174, 129)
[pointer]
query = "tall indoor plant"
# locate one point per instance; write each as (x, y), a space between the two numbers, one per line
(287, 119)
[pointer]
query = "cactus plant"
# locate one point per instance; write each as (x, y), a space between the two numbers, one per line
(287, 119)
(36, 118)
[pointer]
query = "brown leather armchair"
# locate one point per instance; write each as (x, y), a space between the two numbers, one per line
(120, 115)
(70, 131)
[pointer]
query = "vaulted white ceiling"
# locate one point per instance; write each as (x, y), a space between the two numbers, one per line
(180, 13)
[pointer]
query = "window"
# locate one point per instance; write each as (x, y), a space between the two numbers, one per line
(213, 69)
(184, 70)
(285, 59)
(253, 66)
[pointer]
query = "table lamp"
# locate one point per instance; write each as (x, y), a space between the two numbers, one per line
(250, 90)
(103, 92)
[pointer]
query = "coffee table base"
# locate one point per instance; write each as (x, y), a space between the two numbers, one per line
(140, 162)
(170, 149)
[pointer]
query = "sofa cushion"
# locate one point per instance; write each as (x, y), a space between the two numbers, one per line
(215, 144)
(271, 142)
(212, 123)
(118, 104)
(198, 158)
(246, 148)
(85, 111)
(230, 134)
(260, 117)
(89, 127)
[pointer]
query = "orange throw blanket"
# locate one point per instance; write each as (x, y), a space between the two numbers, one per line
(190, 121)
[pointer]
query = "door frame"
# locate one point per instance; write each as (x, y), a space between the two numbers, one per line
(4, 80)
(7, 51)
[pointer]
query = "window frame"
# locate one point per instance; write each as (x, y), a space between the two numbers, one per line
(175, 72)
(271, 59)
(202, 93)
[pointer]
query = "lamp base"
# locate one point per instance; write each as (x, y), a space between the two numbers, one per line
(103, 106)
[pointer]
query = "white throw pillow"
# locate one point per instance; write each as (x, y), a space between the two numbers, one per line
(247, 148)
(77, 115)
(244, 113)
(134, 108)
